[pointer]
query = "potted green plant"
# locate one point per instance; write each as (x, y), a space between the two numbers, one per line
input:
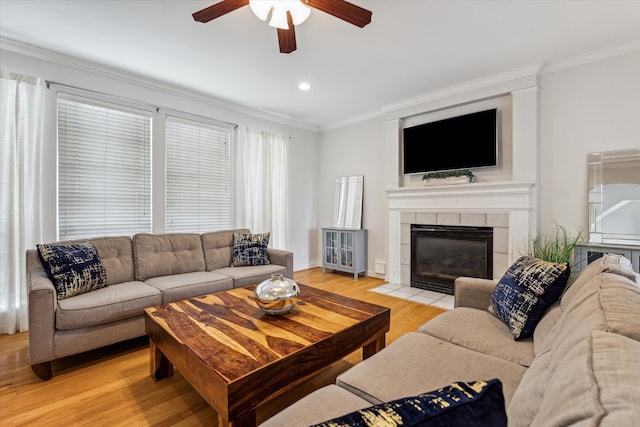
(556, 247)
(461, 176)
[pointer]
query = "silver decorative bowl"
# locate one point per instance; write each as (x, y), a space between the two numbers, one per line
(277, 295)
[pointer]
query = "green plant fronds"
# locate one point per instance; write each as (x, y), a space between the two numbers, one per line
(557, 247)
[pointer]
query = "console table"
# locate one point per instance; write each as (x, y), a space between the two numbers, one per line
(588, 252)
(344, 249)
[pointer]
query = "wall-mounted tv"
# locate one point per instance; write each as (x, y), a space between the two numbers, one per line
(461, 142)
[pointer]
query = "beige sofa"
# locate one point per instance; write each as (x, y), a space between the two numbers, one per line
(142, 271)
(582, 366)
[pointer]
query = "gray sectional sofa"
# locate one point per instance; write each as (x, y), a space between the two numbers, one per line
(142, 271)
(581, 367)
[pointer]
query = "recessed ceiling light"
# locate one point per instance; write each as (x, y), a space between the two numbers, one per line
(304, 86)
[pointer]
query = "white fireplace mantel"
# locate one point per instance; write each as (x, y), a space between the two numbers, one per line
(467, 204)
(463, 197)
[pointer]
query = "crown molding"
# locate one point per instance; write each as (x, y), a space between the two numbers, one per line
(145, 82)
(496, 84)
(353, 121)
(593, 56)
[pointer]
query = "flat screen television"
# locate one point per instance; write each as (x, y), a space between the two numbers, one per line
(461, 142)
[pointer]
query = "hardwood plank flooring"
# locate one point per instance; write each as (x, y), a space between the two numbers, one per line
(111, 386)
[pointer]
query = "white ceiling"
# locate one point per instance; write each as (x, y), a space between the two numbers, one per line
(411, 47)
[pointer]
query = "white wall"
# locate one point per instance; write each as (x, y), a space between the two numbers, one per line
(69, 71)
(355, 150)
(588, 108)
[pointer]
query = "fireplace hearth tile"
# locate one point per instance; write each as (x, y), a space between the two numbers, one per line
(418, 295)
(386, 288)
(423, 299)
(430, 294)
(400, 294)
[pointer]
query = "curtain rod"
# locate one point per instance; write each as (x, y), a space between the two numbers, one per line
(157, 108)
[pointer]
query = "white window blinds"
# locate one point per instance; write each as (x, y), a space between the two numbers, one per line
(198, 182)
(104, 169)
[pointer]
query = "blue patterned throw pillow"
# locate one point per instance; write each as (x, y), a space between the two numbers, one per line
(250, 249)
(528, 288)
(74, 268)
(469, 404)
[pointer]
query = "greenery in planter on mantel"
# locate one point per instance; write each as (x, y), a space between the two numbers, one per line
(448, 174)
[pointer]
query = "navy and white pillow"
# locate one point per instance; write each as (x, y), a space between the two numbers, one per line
(527, 289)
(250, 249)
(471, 404)
(74, 268)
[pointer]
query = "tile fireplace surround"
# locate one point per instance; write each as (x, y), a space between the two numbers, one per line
(505, 206)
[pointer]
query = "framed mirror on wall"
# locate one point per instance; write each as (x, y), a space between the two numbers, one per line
(347, 211)
(614, 197)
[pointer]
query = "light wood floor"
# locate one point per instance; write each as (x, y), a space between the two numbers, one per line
(112, 387)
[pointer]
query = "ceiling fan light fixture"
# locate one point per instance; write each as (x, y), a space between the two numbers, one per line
(261, 8)
(279, 19)
(299, 12)
(278, 9)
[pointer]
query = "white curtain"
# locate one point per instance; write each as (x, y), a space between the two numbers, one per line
(260, 184)
(21, 106)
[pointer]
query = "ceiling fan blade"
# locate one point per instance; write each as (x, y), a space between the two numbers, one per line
(342, 9)
(287, 38)
(218, 9)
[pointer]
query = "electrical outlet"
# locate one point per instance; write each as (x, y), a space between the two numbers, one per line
(304, 253)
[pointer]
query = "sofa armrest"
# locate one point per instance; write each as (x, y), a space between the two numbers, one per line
(282, 257)
(42, 310)
(473, 292)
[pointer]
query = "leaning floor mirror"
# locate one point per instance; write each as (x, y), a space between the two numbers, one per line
(614, 197)
(347, 212)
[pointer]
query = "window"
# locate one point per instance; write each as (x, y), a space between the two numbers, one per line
(104, 169)
(198, 176)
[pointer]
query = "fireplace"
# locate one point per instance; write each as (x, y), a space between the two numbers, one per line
(441, 253)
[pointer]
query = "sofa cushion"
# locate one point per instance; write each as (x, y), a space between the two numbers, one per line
(251, 275)
(417, 362)
(118, 301)
(608, 302)
(187, 285)
(322, 404)
(167, 254)
(478, 403)
(74, 268)
(609, 263)
(527, 289)
(218, 247)
(489, 334)
(116, 254)
(527, 398)
(597, 382)
(545, 332)
(250, 249)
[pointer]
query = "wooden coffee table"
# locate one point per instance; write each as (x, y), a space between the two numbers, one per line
(238, 357)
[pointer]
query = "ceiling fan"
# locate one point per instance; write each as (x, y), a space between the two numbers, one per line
(285, 14)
